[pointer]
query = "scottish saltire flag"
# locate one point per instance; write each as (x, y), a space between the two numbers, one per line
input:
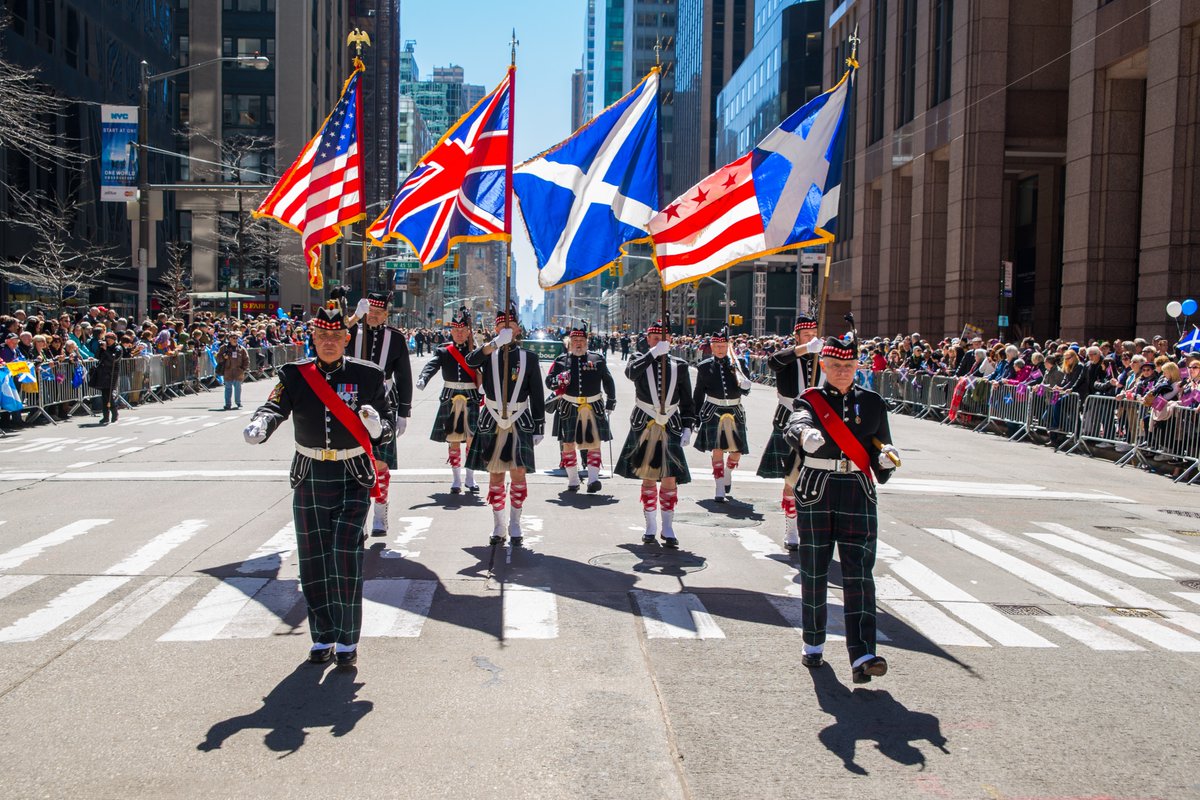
(780, 196)
(459, 191)
(10, 398)
(596, 191)
(322, 191)
(22, 374)
(1191, 342)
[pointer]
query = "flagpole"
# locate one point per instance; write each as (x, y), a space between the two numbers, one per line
(666, 311)
(512, 111)
(358, 38)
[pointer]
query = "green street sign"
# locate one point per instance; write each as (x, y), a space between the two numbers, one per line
(406, 264)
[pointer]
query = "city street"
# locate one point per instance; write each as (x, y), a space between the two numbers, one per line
(1041, 615)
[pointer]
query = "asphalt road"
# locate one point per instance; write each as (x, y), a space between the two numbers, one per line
(152, 635)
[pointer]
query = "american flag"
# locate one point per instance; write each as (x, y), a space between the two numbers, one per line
(323, 190)
(460, 190)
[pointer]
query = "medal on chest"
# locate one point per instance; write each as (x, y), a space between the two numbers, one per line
(348, 392)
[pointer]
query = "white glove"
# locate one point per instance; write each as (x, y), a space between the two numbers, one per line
(362, 308)
(744, 382)
(884, 461)
(256, 431)
(371, 421)
(537, 439)
(685, 438)
(421, 384)
(812, 440)
(815, 346)
(503, 337)
(660, 349)
(401, 425)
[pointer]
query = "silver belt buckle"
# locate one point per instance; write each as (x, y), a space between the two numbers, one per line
(843, 466)
(328, 455)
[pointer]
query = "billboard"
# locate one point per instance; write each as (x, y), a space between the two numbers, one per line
(118, 153)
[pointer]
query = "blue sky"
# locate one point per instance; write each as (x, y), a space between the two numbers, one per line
(475, 35)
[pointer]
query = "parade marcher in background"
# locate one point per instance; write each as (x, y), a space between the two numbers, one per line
(372, 339)
(721, 426)
(233, 360)
(843, 430)
(795, 370)
(660, 427)
(105, 376)
(341, 412)
(458, 407)
(511, 424)
(581, 381)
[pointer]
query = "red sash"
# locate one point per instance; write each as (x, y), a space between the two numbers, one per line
(342, 412)
(841, 434)
(462, 362)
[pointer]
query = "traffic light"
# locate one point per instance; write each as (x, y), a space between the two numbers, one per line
(691, 321)
(735, 319)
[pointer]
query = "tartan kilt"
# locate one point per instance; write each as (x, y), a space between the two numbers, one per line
(566, 416)
(487, 435)
(708, 433)
(386, 453)
(441, 422)
(632, 451)
(779, 458)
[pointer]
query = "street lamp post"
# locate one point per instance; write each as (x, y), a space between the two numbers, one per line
(143, 254)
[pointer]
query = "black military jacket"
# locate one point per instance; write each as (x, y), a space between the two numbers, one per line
(864, 413)
(358, 383)
(443, 360)
(644, 368)
(588, 375)
(390, 342)
(717, 377)
(490, 365)
(793, 374)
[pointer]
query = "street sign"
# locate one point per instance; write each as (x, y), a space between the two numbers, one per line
(1003, 322)
(402, 265)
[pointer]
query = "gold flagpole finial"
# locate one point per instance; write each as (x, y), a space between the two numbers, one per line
(852, 61)
(358, 38)
(515, 42)
(658, 51)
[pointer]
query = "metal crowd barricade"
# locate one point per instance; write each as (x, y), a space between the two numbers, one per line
(1010, 405)
(1187, 443)
(1111, 421)
(1054, 415)
(1174, 438)
(887, 386)
(972, 409)
(941, 390)
(55, 388)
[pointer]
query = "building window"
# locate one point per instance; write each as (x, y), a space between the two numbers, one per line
(878, 64)
(907, 77)
(242, 110)
(941, 52)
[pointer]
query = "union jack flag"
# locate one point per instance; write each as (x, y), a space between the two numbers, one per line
(323, 190)
(460, 190)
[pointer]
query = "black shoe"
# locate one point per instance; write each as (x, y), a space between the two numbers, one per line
(720, 499)
(572, 487)
(792, 547)
(227, 408)
(670, 543)
(320, 656)
(729, 489)
(473, 489)
(114, 416)
(103, 422)
(593, 487)
(876, 667)
(455, 490)
(516, 541)
(379, 532)
(812, 660)
(346, 659)
(495, 540)
(649, 538)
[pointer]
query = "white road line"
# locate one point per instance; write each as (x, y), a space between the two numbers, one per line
(1089, 634)
(1125, 594)
(262, 615)
(271, 554)
(119, 620)
(1020, 491)
(1157, 633)
(80, 464)
(675, 616)
(1036, 576)
(929, 620)
(61, 609)
(396, 606)
(1129, 554)
(30, 550)
(1188, 620)
(1170, 549)
(130, 449)
(414, 528)
(1192, 597)
(214, 611)
(11, 584)
(792, 610)
(530, 612)
(150, 553)
(1092, 554)
(760, 545)
(967, 607)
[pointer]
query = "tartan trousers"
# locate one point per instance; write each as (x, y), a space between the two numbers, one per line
(844, 515)
(330, 508)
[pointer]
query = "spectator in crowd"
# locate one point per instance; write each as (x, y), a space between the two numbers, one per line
(233, 360)
(26, 346)
(10, 351)
(106, 375)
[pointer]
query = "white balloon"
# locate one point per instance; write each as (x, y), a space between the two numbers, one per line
(1174, 309)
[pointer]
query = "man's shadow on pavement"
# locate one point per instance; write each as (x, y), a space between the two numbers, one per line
(866, 715)
(301, 701)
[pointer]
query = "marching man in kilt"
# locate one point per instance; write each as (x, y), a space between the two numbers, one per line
(660, 427)
(458, 405)
(340, 412)
(581, 380)
(843, 431)
(795, 369)
(372, 339)
(720, 386)
(511, 423)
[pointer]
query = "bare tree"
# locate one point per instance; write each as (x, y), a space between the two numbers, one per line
(176, 278)
(55, 261)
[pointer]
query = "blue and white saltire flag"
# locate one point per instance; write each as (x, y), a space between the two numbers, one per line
(10, 398)
(1191, 342)
(595, 192)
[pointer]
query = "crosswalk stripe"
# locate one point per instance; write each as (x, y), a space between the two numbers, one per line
(214, 611)
(792, 610)
(30, 550)
(1168, 548)
(267, 608)
(1129, 554)
(967, 607)
(1156, 633)
(1191, 597)
(62, 608)
(11, 584)
(396, 606)
(1036, 576)
(530, 612)
(271, 554)
(1089, 634)
(121, 619)
(1126, 594)
(1092, 554)
(149, 554)
(414, 528)
(926, 618)
(759, 545)
(1185, 619)
(675, 616)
